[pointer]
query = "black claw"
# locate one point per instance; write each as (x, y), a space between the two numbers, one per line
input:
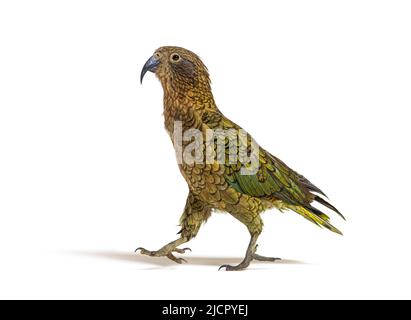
(139, 248)
(175, 259)
(187, 249)
(224, 266)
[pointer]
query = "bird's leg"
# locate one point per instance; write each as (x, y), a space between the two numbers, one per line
(249, 256)
(167, 250)
(262, 258)
(255, 227)
(195, 213)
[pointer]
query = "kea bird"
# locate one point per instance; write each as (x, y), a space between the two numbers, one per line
(223, 185)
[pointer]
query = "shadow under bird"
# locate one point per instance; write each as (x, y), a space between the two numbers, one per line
(222, 186)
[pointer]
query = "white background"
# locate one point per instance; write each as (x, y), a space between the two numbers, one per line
(87, 172)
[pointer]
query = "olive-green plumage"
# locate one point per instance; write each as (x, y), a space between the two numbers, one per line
(221, 185)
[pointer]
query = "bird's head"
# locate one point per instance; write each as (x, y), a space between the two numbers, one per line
(178, 69)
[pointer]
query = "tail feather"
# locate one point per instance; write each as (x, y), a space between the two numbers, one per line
(328, 205)
(310, 186)
(316, 216)
(319, 213)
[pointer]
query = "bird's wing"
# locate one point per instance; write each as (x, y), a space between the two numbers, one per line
(272, 179)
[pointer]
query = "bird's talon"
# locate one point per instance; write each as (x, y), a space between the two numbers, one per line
(175, 259)
(232, 268)
(182, 251)
(223, 266)
(143, 251)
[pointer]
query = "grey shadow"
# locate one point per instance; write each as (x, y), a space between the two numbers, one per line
(165, 262)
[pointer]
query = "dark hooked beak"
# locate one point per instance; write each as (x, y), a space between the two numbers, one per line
(151, 65)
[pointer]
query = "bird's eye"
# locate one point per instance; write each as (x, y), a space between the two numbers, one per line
(175, 57)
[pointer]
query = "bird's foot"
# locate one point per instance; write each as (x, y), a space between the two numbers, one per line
(165, 252)
(239, 267)
(262, 258)
(243, 265)
(250, 256)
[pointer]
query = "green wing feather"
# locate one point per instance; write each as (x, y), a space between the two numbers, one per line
(275, 180)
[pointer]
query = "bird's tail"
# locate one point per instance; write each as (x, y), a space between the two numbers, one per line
(315, 216)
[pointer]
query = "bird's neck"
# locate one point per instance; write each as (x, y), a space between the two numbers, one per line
(187, 106)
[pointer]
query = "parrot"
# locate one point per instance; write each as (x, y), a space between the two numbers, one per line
(243, 190)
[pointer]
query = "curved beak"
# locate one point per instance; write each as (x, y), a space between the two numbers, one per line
(150, 65)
